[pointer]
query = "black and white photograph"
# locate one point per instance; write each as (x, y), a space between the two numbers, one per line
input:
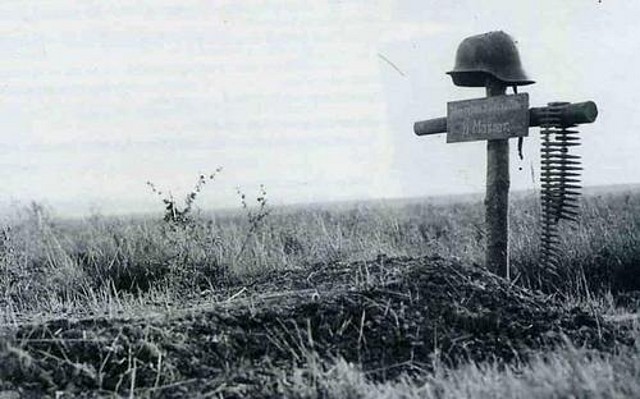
(319, 199)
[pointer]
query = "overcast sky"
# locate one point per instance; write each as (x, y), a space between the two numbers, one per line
(314, 99)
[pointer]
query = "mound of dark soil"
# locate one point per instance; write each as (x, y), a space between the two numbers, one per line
(389, 315)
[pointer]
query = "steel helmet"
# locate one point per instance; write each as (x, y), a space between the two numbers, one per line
(493, 54)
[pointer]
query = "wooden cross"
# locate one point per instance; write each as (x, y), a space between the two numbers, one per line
(497, 118)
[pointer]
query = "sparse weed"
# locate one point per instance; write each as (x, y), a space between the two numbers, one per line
(255, 217)
(182, 214)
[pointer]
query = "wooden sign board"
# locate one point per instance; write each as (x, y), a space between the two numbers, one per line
(498, 117)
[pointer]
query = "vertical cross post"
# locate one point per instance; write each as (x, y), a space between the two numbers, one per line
(497, 196)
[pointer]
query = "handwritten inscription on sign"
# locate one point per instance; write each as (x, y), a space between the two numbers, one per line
(499, 117)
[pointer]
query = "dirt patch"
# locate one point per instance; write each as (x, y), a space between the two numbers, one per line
(391, 315)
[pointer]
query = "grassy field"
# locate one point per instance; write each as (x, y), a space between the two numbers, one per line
(378, 299)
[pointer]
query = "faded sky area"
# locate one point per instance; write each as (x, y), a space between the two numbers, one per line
(315, 100)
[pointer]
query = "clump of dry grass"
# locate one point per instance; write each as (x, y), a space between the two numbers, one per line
(599, 254)
(568, 372)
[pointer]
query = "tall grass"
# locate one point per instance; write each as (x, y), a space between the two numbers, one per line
(566, 373)
(46, 260)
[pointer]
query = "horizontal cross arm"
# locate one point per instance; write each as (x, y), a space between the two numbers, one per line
(572, 114)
